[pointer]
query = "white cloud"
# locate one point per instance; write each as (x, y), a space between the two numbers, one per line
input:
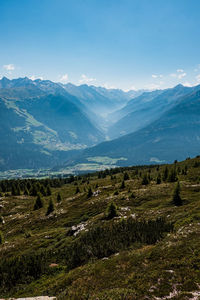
(180, 74)
(109, 87)
(33, 77)
(64, 78)
(198, 78)
(157, 76)
(9, 67)
(86, 79)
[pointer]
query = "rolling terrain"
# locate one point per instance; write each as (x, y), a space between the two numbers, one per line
(114, 234)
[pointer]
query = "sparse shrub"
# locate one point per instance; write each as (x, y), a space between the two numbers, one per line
(132, 195)
(27, 234)
(116, 193)
(77, 190)
(1, 220)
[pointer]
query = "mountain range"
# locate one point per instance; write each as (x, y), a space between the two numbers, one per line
(45, 124)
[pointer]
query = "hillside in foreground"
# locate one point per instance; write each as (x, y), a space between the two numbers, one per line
(114, 234)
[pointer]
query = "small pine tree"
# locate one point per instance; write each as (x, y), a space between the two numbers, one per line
(34, 190)
(145, 180)
(90, 193)
(48, 190)
(111, 211)
(13, 190)
(165, 174)
(59, 198)
(126, 176)
(158, 180)
(26, 192)
(172, 175)
(38, 202)
(122, 185)
(176, 195)
(1, 238)
(50, 208)
(77, 190)
(43, 190)
(18, 190)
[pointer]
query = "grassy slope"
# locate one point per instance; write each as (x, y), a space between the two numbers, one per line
(170, 266)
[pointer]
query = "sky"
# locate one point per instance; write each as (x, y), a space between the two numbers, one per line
(127, 44)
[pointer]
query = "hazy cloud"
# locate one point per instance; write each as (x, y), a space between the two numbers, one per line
(157, 76)
(9, 67)
(179, 74)
(86, 79)
(198, 78)
(64, 78)
(33, 77)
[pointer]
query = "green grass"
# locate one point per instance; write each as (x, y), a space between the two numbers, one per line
(133, 271)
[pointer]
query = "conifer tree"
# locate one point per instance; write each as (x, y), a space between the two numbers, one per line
(38, 203)
(172, 175)
(111, 210)
(176, 195)
(145, 180)
(13, 190)
(1, 238)
(122, 185)
(48, 190)
(43, 190)
(90, 193)
(59, 198)
(77, 190)
(50, 208)
(26, 192)
(165, 174)
(126, 176)
(158, 180)
(34, 190)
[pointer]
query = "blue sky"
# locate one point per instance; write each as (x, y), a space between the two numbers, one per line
(114, 43)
